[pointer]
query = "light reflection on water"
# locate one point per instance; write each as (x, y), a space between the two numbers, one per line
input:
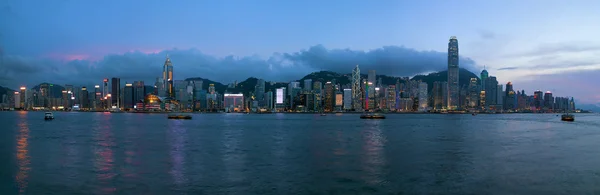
(23, 161)
(373, 158)
(103, 150)
(177, 132)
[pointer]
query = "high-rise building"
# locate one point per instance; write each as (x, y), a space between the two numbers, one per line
(97, 98)
(510, 97)
(291, 86)
(500, 98)
(307, 84)
(548, 100)
(372, 79)
(269, 100)
(391, 97)
(356, 89)
(128, 96)
(17, 100)
(23, 102)
(84, 100)
(484, 75)
(115, 91)
(329, 97)
(259, 92)
(159, 88)
(423, 97)
(233, 102)
(211, 88)
(139, 92)
(473, 94)
(436, 92)
(348, 99)
(538, 97)
(491, 92)
(168, 78)
(453, 85)
(280, 95)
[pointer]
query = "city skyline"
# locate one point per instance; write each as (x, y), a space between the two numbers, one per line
(545, 57)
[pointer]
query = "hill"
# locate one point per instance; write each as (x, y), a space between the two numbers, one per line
(5, 91)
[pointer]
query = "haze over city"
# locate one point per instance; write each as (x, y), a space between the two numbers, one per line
(547, 45)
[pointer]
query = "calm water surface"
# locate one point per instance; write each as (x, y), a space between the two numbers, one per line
(98, 153)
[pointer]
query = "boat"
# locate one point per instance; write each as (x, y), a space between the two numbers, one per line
(372, 116)
(48, 116)
(179, 116)
(567, 117)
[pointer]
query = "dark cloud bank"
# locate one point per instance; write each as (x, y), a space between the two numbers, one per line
(389, 60)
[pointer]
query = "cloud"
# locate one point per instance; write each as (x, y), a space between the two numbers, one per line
(487, 34)
(558, 48)
(580, 85)
(132, 66)
(508, 68)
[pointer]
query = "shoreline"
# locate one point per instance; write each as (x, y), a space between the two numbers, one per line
(333, 113)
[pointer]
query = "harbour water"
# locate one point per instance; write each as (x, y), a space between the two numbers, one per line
(123, 153)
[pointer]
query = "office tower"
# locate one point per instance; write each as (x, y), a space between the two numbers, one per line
(390, 97)
(436, 92)
(291, 86)
(139, 91)
(510, 97)
(453, 85)
(339, 100)
(348, 99)
(180, 88)
(168, 78)
(500, 99)
(329, 97)
(548, 101)
(473, 94)
(17, 100)
(491, 91)
(159, 88)
(538, 97)
(572, 107)
(269, 100)
(128, 96)
(308, 84)
(259, 91)
(371, 77)
(356, 89)
(211, 88)
(97, 97)
(280, 95)
(423, 104)
(115, 91)
(84, 98)
(233, 102)
(317, 86)
(23, 98)
(484, 75)
(105, 87)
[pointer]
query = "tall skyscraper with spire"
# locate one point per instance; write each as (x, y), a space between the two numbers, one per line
(453, 85)
(356, 89)
(168, 78)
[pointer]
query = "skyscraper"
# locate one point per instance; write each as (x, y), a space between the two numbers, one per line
(491, 90)
(308, 84)
(356, 90)
(473, 95)
(371, 77)
(484, 75)
(139, 91)
(116, 91)
(548, 101)
(128, 96)
(423, 104)
(84, 100)
(453, 85)
(538, 97)
(329, 96)
(259, 91)
(168, 78)
(510, 98)
(347, 99)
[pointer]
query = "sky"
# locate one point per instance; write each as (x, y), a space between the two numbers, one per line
(550, 45)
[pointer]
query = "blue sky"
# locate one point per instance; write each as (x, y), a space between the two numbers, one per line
(536, 44)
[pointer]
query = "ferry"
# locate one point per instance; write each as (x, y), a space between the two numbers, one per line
(179, 116)
(48, 116)
(372, 116)
(567, 117)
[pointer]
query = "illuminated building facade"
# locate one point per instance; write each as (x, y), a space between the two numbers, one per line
(233, 102)
(453, 85)
(168, 78)
(347, 99)
(356, 89)
(115, 91)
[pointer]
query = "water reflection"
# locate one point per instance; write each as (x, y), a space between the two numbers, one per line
(177, 132)
(373, 159)
(233, 155)
(23, 154)
(104, 162)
